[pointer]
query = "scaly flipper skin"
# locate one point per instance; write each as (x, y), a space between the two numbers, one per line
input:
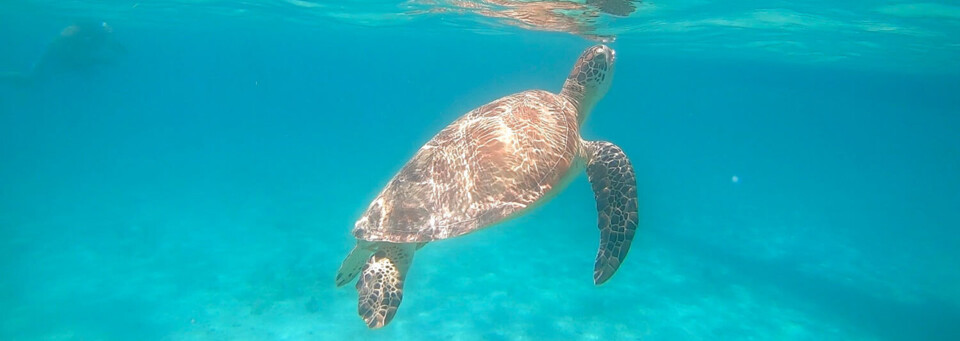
(353, 263)
(381, 283)
(615, 188)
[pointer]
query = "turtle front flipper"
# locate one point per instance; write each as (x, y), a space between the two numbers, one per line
(380, 287)
(615, 188)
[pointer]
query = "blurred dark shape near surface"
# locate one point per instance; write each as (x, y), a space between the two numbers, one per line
(80, 47)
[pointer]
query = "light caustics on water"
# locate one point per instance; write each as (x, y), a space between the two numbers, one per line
(583, 19)
(894, 35)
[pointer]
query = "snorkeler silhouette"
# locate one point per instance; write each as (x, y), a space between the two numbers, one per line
(79, 47)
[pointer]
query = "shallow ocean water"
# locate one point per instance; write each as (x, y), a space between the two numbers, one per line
(797, 166)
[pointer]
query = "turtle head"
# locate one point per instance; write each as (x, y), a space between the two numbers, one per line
(590, 79)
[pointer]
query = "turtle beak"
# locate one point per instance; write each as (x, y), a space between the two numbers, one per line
(607, 52)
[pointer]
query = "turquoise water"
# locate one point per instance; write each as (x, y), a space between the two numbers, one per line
(202, 184)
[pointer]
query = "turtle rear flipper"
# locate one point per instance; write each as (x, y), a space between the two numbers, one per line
(353, 263)
(615, 188)
(381, 283)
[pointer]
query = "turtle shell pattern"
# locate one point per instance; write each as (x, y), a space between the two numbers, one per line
(486, 166)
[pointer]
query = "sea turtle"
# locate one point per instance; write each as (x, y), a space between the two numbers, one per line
(491, 164)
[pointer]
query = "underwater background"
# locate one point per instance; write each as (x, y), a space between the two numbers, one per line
(798, 168)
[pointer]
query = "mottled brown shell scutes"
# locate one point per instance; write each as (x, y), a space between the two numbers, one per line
(488, 165)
